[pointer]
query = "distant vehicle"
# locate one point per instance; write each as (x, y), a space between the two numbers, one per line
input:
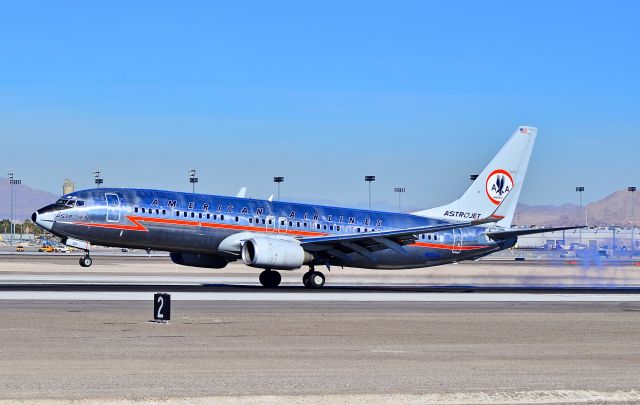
(61, 249)
(46, 249)
(210, 231)
(125, 250)
(19, 248)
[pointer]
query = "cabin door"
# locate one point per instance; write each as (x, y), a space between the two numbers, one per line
(457, 241)
(113, 207)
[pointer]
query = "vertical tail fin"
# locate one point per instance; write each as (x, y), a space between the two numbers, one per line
(504, 175)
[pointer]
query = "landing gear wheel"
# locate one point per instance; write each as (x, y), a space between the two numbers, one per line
(270, 279)
(86, 261)
(305, 278)
(316, 280)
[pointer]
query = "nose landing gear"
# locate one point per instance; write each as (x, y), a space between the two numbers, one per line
(86, 260)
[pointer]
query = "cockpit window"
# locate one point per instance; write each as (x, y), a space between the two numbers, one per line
(79, 203)
(69, 203)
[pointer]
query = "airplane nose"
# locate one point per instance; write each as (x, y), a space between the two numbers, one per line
(44, 217)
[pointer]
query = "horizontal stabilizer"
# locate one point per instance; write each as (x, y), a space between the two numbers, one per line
(531, 231)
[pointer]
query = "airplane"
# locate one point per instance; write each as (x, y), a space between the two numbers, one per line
(211, 231)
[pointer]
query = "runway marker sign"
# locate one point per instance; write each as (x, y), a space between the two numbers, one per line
(161, 307)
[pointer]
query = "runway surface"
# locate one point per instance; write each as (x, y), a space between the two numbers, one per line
(369, 337)
(111, 349)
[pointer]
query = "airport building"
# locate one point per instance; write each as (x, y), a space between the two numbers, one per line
(594, 238)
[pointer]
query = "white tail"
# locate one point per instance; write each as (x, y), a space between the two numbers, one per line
(504, 175)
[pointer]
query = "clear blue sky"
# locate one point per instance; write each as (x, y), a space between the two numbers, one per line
(420, 94)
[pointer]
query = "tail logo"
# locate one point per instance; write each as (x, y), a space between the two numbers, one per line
(499, 184)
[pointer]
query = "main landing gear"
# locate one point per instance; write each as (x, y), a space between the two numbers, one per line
(313, 279)
(86, 260)
(270, 278)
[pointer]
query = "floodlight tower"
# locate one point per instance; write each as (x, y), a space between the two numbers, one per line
(193, 180)
(97, 179)
(632, 190)
(278, 180)
(13, 182)
(399, 190)
(369, 179)
(580, 189)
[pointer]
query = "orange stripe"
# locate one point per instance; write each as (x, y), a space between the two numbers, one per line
(446, 247)
(139, 227)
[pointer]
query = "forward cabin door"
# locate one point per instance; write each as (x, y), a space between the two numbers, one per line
(113, 207)
(457, 241)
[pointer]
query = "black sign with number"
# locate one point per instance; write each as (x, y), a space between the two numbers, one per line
(161, 307)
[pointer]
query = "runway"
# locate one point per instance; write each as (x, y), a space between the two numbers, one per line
(367, 337)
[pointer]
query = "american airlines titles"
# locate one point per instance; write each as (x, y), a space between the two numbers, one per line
(292, 215)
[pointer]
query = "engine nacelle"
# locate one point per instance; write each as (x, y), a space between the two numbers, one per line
(275, 254)
(199, 260)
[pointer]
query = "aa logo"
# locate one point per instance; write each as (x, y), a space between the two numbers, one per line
(499, 184)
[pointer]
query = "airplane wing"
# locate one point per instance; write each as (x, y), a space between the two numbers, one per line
(364, 243)
(519, 232)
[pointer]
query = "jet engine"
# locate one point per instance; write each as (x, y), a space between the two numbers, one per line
(199, 260)
(274, 254)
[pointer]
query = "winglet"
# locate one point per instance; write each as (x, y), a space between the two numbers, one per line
(242, 192)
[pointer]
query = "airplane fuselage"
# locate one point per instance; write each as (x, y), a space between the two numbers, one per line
(204, 224)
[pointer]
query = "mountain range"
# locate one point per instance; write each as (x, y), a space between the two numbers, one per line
(614, 209)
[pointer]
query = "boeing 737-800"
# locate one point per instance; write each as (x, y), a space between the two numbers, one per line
(211, 231)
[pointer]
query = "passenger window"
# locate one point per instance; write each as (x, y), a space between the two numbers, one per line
(298, 224)
(185, 214)
(290, 224)
(365, 229)
(193, 215)
(318, 225)
(263, 221)
(164, 212)
(135, 209)
(157, 211)
(270, 222)
(250, 220)
(331, 227)
(221, 217)
(338, 228)
(200, 215)
(215, 217)
(282, 223)
(208, 216)
(237, 219)
(358, 229)
(177, 213)
(304, 224)
(143, 210)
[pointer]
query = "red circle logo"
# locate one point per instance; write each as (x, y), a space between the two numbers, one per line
(499, 184)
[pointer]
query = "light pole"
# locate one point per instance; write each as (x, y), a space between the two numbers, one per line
(399, 190)
(632, 190)
(369, 179)
(278, 180)
(193, 180)
(580, 189)
(97, 179)
(12, 181)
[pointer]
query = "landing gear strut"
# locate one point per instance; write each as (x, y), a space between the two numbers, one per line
(86, 260)
(313, 279)
(270, 278)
